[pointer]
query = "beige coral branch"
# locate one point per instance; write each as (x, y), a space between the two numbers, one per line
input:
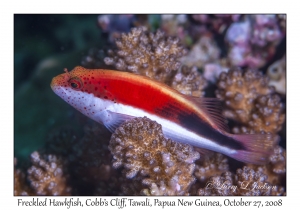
(166, 167)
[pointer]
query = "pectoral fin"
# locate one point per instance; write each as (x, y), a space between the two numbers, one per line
(112, 120)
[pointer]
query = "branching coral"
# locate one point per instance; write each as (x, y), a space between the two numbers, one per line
(174, 25)
(189, 82)
(47, 175)
(254, 182)
(276, 169)
(278, 160)
(204, 51)
(166, 166)
(156, 56)
(211, 165)
(89, 153)
(148, 54)
(267, 115)
(239, 89)
(88, 157)
(133, 186)
(20, 185)
(83, 163)
(250, 101)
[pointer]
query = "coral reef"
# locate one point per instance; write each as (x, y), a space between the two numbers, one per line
(254, 182)
(67, 160)
(239, 89)
(174, 25)
(204, 51)
(88, 157)
(166, 166)
(253, 41)
(276, 169)
(189, 81)
(268, 114)
(156, 56)
(20, 185)
(216, 23)
(149, 54)
(250, 101)
(211, 165)
(47, 175)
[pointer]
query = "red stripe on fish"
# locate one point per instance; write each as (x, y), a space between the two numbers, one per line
(131, 89)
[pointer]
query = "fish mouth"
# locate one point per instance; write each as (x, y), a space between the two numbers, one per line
(52, 84)
(55, 86)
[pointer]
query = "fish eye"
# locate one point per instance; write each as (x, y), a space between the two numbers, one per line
(75, 83)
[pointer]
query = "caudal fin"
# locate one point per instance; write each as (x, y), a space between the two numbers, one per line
(258, 148)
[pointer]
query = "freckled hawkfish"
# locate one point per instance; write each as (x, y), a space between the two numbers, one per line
(111, 97)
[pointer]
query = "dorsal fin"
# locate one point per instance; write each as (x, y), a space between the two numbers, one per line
(212, 107)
